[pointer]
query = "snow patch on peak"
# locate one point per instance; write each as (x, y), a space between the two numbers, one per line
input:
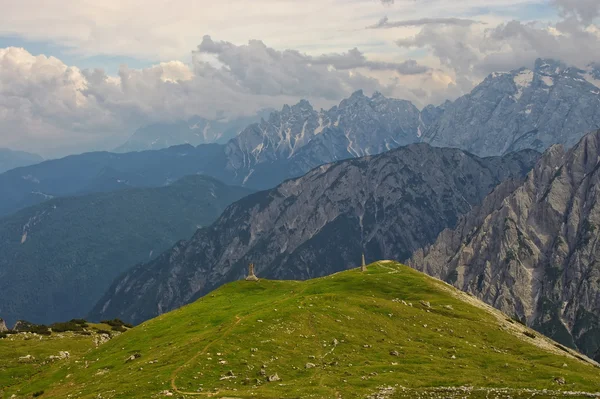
(321, 127)
(548, 81)
(522, 80)
(591, 79)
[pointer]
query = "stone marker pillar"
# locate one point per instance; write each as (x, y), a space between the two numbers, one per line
(363, 267)
(251, 276)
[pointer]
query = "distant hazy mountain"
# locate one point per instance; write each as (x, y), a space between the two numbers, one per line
(532, 249)
(195, 131)
(103, 171)
(288, 144)
(10, 159)
(387, 205)
(57, 258)
(551, 104)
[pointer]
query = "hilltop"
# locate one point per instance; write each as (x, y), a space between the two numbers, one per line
(388, 332)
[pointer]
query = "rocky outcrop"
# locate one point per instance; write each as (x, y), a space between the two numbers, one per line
(23, 326)
(525, 108)
(386, 206)
(3, 327)
(532, 250)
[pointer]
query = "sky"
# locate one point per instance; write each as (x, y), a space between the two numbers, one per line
(82, 75)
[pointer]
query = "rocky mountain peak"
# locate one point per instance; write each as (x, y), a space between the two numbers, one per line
(533, 251)
(523, 108)
(548, 66)
(305, 138)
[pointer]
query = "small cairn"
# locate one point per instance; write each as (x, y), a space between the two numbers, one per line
(251, 276)
(363, 267)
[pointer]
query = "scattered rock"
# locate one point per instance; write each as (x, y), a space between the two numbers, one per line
(100, 339)
(27, 358)
(273, 378)
(310, 365)
(394, 353)
(133, 357)
(560, 381)
(166, 393)
(426, 304)
(61, 356)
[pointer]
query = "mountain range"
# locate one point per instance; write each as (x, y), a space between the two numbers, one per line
(532, 249)
(495, 118)
(10, 159)
(387, 206)
(289, 144)
(525, 108)
(60, 256)
(194, 131)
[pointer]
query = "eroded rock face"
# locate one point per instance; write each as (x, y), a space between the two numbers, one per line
(525, 108)
(386, 206)
(532, 249)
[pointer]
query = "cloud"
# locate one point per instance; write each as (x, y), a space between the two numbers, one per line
(258, 54)
(46, 104)
(584, 10)
(435, 52)
(384, 23)
(471, 52)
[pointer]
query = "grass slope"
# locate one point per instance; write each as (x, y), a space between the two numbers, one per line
(15, 369)
(353, 327)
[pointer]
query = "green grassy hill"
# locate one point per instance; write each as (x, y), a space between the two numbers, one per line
(391, 332)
